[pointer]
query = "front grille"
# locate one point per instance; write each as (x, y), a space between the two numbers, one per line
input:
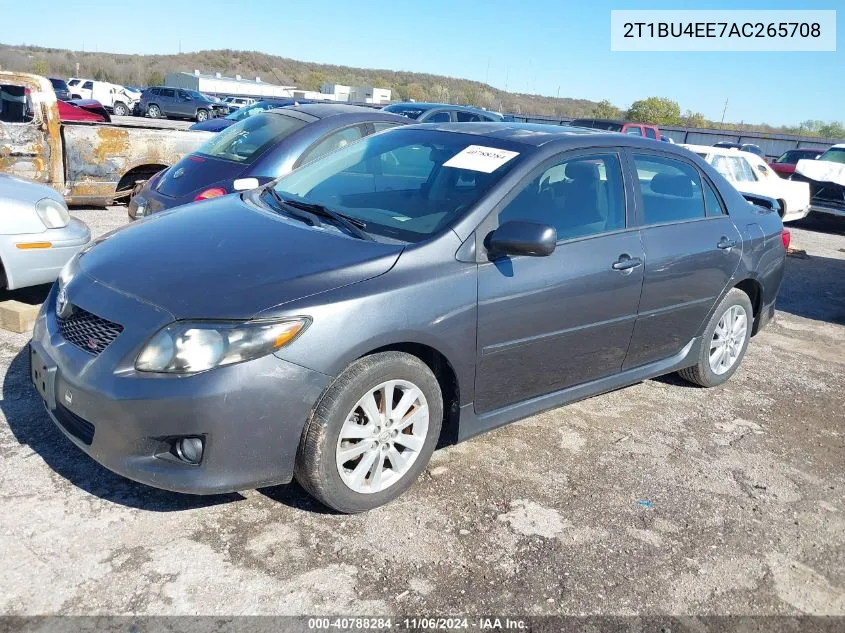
(81, 429)
(88, 332)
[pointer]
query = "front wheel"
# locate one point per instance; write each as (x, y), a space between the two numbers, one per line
(372, 433)
(120, 109)
(724, 342)
(202, 115)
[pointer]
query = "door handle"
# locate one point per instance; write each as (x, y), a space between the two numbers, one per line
(725, 243)
(626, 263)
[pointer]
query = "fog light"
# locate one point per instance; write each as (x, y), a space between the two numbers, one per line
(189, 449)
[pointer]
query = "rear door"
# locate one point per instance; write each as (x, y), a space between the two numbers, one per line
(547, 323)
(692, 249)
(167, 101)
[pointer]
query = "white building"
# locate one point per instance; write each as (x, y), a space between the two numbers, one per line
(355, 94)
(217, 84)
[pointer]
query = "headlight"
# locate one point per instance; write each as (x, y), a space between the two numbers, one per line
(186, 347)
(53, 213)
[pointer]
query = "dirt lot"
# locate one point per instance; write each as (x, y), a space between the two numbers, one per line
(659, 498)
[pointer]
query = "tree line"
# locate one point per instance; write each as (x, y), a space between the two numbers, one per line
(148, 70)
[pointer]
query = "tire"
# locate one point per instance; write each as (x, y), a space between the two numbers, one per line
(709, 374)
(120, 109)
(202, 115)
(340, 409)
(153, 111)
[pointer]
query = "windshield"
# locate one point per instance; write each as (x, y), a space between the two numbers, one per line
(246, 140)
(834, 155)
(409, 111)
(405, 184)
(794, 155)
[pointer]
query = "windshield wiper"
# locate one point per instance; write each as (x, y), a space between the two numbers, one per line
(300, 214)
(351, 224)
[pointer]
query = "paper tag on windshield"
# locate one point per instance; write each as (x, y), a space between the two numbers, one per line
(480, 158)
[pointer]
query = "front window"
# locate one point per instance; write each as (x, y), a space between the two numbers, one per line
(405, 184)
(15, 104)
(246, 140)
(834, 155)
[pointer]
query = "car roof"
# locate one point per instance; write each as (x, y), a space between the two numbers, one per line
(316, 111)
(539, 134)
(427, 105)
(721, 151)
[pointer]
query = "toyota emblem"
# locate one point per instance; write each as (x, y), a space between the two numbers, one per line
(62, 303)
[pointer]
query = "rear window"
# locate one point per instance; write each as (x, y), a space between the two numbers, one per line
(408, 111)
(15, 104)
(610, 126)
(246, 140)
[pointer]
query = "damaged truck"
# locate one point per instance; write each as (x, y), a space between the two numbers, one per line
(826, 175)
(94, 163)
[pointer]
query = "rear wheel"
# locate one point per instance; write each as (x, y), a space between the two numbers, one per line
(372, 433)
(202, 115)
(154, 111)
(724, 342)
(120, 109)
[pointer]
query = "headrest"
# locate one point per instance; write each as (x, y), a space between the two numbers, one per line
(680, 186)
(582, 171)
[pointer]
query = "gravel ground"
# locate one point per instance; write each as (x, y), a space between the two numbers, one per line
(658, 498)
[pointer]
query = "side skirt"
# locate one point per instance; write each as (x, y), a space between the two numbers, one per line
(471, 424)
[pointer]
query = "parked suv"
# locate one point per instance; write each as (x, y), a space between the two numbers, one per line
(625, 127)
(164, 101)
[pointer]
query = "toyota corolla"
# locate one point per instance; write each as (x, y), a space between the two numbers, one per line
(423, 281)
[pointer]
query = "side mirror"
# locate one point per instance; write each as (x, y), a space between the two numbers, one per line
(522, 238)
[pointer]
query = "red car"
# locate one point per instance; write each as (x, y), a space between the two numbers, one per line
(82, 110)
(785, 163)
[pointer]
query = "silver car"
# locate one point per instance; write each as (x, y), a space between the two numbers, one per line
(37, 234)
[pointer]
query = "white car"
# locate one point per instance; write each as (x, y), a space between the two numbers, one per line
(115, 98)
(236, 103)
(37, 234)
(749, 173)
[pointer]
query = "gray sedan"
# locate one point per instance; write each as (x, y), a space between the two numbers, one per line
(423, 283)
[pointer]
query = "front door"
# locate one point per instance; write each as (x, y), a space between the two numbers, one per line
(547, 323)
(692, 250)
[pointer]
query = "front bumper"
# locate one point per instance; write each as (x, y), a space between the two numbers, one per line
(32, 266)
(250, 415)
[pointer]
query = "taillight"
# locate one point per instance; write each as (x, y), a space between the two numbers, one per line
(785, 237)
(211, 193)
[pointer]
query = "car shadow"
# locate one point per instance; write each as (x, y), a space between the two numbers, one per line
(814, 287)
(33, 295)
(31, 426)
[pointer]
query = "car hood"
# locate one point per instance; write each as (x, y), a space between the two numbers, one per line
(212, 125)
(21, 190)
(227, 258)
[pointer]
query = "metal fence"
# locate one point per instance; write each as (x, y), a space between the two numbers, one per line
(773, 145)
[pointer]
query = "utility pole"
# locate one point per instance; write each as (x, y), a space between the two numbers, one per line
(558, 92)
(725, 109)
(487, 74)
(507, 74)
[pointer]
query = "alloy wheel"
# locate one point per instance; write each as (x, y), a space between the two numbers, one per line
(728, 339)
(382, 436)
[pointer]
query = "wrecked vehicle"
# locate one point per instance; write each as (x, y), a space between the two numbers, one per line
(826, 175)
(86, 162)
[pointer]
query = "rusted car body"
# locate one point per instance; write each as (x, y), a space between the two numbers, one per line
(88, 163)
